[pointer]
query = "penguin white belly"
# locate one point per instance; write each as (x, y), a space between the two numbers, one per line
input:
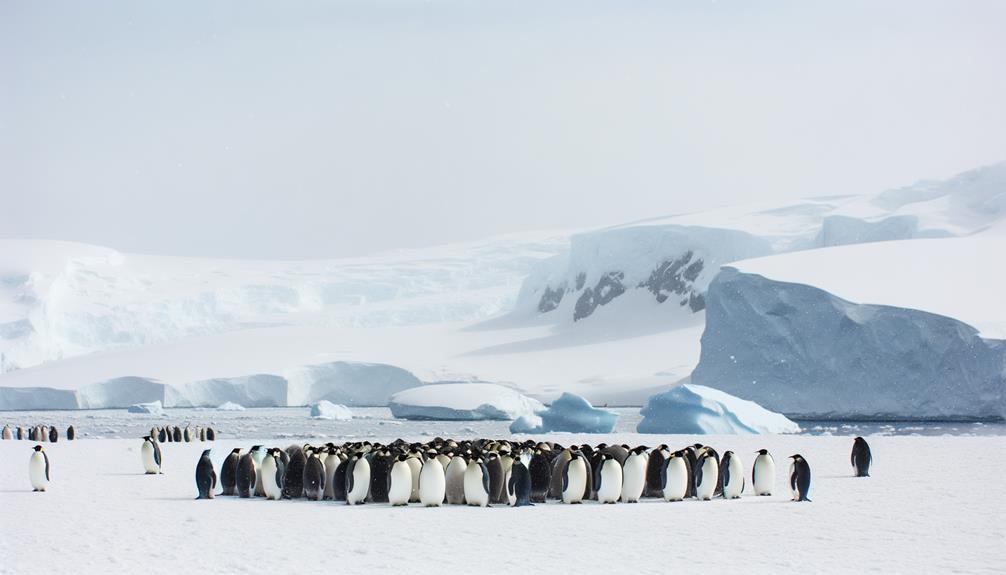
(416, 467)
(735, 486)
(36, 472)
(455, 479)
(331, 464)
(149, 463)
(475, 491)
(710, 472)
(611, 482)
(792, 485)
(361, 482)
(432, 483)
(633, 478)
(676, 485)
(764, 475)
(401, 483)
(511, 496)
(576, 472)
(259, 486)
(271, 489)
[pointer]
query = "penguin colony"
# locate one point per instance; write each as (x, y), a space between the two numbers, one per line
(488, 472)
(187, 434)
(43, 433)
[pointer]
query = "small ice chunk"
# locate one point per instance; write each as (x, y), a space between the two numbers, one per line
(152, 408)
(570, 413)
(691, 409)
(231, 406)
(325, 409)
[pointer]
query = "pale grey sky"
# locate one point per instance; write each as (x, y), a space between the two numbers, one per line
(252, 128)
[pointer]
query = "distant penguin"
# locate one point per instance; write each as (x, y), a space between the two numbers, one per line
(167, 435)
(20, 433)
(246, 472)
(210, 434)
(43, 433)
(7, 432)
(314, 478)
(799, 478)
(53, 434)
(763, 473)
(497, 479)
(229, 472)
(541, 475)
(654, 465)
(574, 479)
(273, 470)
(38, 469)
(187, 434)
(519, 484)
(432, 482)
(455, 480)
(634, 475)
(861, 457)
(674, 477)
(150, 453)
(400, 481)
(293, 480)
(380, 467)
(357, 479)
(477, 483)
(707, 471)
(71, 433)
(731, 475)
(608, 479)
(177, 434)
(206, 476)
(202, 433)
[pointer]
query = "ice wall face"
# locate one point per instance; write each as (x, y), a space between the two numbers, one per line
(801, 351)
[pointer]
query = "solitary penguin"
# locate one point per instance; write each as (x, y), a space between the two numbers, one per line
(707, 471)
(71, 433)
(400, 481)
(477, 483)
(608, 479)
(150, 452)
(574, 479)
(861, 457)
(799, 478)
(541, 475)
(314, 478)
(455, 480)
(763, 473)
(206, 476)
(273, 470)
(731, 475)
(229, 472)
(38, 469)
(357, 479)
(519, 484)
(246, 472)
(432, 482)
(634, 475)
(674, 481)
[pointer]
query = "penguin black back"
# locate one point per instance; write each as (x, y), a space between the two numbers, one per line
(540, 469)
(229, 472)
(293, 483)
(206, 476)
(862, 458)
(799, 479)
(654, 468)
(380, 468)
(520, 484)
(244, 474)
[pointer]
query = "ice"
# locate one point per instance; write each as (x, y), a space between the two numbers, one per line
(230, 406)
(349, 383)
(152, 408)
(696, 410)
(462, 401)
(568, 413)
(325, 409)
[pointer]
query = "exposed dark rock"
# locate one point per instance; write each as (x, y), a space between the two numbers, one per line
(551, 298)
(608, 288)
(581, 280)
(675, 277)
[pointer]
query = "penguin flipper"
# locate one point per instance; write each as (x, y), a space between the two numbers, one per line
(485, 477)
(597, 477)
(46, 456)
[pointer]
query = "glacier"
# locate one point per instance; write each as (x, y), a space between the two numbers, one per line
(699, 410)
(462, 401)
(570, 413)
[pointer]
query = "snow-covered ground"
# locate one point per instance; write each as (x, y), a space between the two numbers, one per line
(918, 513)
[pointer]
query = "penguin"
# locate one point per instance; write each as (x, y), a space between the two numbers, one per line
(799, 478)
(71, 433)
(7, 433)
(497, 479)
(53, 434)
(38, 469)
(432, 482)
(170, 437)
(455, 480)
(608, 479)
(763, 473)
(691, 461)
(634, 475)
(273, 470)
(206, 476)
(150, 452)
(674, 477)
(20, 433)
(519, 485)
(400, 481)
(415, 462)
(43, 433)
(574, 479)
(177, 434)
(707, 471)
(331, 462)
(293, 480)
(619, 452)
(314, 477)
(357, 479)
(380, 468)
(557, 473)
(541, 475)
(861, 457)
(654, 465)
(477, 483)
(258, 456)
(339, 481)
(229, 472)
(731, 475)
(246, 472)
(210, 434)
(187, 434)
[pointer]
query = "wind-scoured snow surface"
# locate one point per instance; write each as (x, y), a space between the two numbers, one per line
(697, 409)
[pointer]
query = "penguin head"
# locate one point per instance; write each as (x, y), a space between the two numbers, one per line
(796, 457)
(762, 452)
(146, 438)
(574, 455)
(639, 450)
(256, 447)
(37, 448)
(236, 451)
(403, 456)
(859, 440)
(206, 453)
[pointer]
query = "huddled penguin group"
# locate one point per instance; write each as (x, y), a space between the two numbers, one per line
(187, 434)
(43, 433)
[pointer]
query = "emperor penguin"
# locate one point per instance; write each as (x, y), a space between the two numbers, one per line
(206, 476)
(654, 464)
(574, 479)
(7, 433)
(519, 484)
(202, 433)
(314, 477)
(477, 483)
(432, 482)
(400, 481)
(608, 479)
(799, 478)
(455, 478)
(557, 472)
(497, 479)
(187, 434)
(331, 461)
(43, 433)
(541, 475)
(634, 475)
(674, 477)
(861, 457)
(763, 473)
(258, 456)
(20, 433)
(176, 434)
(150, 453)
(71, 433)
(163, 435)
(380, 468)
(273, 470)
(731, 475)
(246, 472)
(415, 462)
(357, 479)
(293, 480)
(339, 479)
(38, 469)
(707, 471)
(229, 472)
(53, 434)
(210, 434)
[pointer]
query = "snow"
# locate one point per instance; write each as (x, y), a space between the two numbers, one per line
(152, 408)
(462, 401)
(230, 406)
(570, 413)
(852, 524)
(700, 410)
(325, 409)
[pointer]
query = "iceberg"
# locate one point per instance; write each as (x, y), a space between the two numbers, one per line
(325, 409)
(570, 413)
(152, 408)
(698, 410)
(462, 401)
(231, 406)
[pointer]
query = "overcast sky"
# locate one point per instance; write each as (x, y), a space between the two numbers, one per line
(319, 129)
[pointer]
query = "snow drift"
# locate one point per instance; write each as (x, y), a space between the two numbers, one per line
(697, 410)
(462, 401)
(570, 413)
